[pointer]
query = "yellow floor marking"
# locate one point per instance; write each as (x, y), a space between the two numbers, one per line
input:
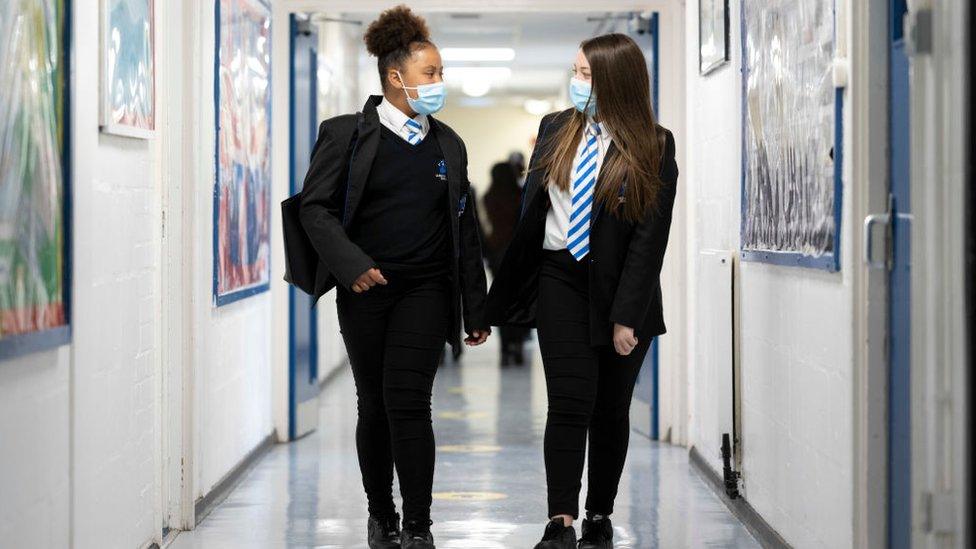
(461, 414)
(469, 448)
(469, 496)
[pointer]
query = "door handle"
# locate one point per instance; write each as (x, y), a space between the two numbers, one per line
(869, 223)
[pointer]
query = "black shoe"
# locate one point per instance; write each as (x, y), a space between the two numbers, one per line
(597, 533)
(416, 535)
(383, 532)
(558, 536)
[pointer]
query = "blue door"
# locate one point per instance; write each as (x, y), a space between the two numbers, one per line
(645, 392)
(899, 281)
(302, 333)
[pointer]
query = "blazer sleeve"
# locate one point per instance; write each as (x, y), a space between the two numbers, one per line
(474, 285)
(645, 253)
(322, 202)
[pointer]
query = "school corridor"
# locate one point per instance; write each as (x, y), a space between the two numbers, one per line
(166, 383)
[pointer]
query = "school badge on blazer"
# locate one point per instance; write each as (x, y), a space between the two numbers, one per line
(441, 171)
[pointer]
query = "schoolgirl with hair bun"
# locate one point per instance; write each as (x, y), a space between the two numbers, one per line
(387, 207)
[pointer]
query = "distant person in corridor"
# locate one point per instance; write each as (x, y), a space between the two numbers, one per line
(584, 267)
(502, 209)
(386, 205)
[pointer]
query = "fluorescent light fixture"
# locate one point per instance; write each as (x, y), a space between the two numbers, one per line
(477, 54)
(491, 74)
(537, 107)
(475, 87)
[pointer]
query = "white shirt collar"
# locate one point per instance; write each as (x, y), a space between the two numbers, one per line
(394, 119)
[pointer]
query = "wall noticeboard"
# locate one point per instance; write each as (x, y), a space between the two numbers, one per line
(34, 176)
(242, 188)
(792, 135)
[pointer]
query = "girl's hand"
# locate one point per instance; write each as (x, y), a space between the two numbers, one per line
(367, 280)
(623, 339)
(477, 337)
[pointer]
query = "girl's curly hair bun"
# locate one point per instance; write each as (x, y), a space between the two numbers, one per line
(395, 30)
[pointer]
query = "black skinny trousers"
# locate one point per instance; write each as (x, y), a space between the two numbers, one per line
(395, 336)
(589, 391)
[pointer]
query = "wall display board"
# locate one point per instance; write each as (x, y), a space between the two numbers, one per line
(791, 143)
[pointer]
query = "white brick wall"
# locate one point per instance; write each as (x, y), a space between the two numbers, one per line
(34, 435)
(232, 344)
(80, 449)
(795, 333)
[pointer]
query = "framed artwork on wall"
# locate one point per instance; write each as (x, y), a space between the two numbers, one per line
(128, 102)
(34, 176)
(713, 35)
(792, 135)
(242, 187)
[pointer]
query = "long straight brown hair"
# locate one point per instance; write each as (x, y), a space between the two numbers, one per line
(622, 90)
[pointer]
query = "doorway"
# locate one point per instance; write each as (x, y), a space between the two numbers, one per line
(303, 402)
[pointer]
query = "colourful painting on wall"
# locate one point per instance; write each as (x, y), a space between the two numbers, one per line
(128, 70)
(33, 253)
(242, 192)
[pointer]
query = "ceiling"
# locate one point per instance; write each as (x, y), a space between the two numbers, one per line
(545, 46)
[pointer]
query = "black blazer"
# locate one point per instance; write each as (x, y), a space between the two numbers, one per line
(625, 258)
(340, 166)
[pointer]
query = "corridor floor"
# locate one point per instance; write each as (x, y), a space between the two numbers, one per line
(489, 483)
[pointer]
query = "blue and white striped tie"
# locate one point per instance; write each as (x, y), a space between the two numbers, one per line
(413, 131)
(584, 181)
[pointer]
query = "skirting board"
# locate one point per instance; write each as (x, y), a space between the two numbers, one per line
(331, 374)
(640, 417)
(753, 521)
(218, 493)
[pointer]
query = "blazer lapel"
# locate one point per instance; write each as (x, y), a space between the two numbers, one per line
(362, 157)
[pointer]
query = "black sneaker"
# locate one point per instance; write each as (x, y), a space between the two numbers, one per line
(558, 536)
(416, 535)
(383, 532)
(597, 533)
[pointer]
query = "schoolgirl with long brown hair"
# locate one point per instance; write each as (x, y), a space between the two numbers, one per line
(584, 268)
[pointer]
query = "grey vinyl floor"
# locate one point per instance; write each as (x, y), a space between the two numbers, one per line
(489, 487)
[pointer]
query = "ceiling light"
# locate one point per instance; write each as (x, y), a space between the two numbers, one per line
(491, 74)
(537, 106)
(473, 87)
(477, 54)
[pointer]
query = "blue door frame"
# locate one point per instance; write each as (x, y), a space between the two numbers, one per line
(899, 286)
(303, 123)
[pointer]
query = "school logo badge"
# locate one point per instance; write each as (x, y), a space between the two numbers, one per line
(441, 172)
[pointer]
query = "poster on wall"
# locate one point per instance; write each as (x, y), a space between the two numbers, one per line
(33, 111)
(128, 70)
(791, 175)
(242, 190)
(713, 34)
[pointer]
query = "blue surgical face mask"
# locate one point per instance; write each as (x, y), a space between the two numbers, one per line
(430, 97)
(581, 93)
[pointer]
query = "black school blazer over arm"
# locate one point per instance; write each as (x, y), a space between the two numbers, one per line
(625, 258)
(341, 161)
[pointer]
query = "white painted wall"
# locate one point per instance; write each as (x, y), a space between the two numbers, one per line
(794, 327)
(81, 426)
(232, 344)
(35, 429)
